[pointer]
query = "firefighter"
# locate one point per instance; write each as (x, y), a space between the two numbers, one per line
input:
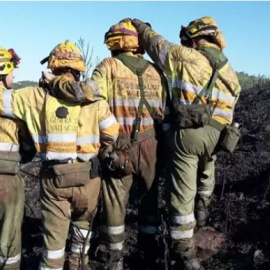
(135, 91)
(11, 184)
(205, 90)
(67, 138)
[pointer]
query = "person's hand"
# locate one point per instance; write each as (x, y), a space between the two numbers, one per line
(137, 23)
(48, 76)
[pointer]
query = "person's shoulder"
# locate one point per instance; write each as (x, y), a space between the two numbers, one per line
(98, 102)
(108, 61)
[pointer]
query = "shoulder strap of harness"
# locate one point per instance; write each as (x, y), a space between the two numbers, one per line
(217, 61)
(138, 67)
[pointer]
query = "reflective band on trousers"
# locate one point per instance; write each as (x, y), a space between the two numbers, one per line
(77, 248)
(148, 229)
(205, 192)
(181, 220)
(42, 267)
(54, 254)
(82, 232)
(10, 260)
(7, 107)
(177, 234)
(113, 229)
(116, 246)
(107, 122)
(9, 147)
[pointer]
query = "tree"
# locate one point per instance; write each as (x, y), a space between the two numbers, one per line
(88, 56)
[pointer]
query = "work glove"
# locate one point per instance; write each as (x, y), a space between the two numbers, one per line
(137, 23)
(109, 157)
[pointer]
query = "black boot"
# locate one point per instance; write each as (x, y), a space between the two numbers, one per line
(148, 250)
(184, 255)
(187, 264)
(109, 259)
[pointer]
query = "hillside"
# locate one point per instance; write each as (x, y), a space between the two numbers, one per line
(246, 81)
(241, 209)
(253, 82)
(22, 84)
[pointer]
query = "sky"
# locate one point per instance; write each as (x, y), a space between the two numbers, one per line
(34, 28)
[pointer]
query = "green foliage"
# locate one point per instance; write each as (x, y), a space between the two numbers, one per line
(253, 82)
(22, 84)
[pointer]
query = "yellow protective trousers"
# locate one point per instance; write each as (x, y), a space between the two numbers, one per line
(62, 209)
(192, 170)
(11, 215)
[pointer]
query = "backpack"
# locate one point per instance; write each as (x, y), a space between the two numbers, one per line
(197, 115)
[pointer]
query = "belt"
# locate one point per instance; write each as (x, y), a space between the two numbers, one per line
(51, 162)
(95, 166)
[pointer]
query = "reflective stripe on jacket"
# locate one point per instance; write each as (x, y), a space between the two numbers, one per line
(188, 71)
(97, 126)
(9, 128)
(118, 85)
(62, 122)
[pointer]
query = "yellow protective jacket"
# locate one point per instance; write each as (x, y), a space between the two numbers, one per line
(188, 71)
(9, 139)
(9, 143)
(59, 129)
(118, 85)
(14, 138)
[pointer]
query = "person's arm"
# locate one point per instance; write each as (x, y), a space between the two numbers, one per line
(108, 125)
(63, 87)
(16, 103)
(155, 45)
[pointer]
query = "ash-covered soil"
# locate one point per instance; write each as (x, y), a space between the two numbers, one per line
(237, 234)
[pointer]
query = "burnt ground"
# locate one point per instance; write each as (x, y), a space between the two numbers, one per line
(237, 236)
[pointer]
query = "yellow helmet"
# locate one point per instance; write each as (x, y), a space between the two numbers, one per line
(8, 61)
(122, 36)
(65, 55)
(204, 26)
